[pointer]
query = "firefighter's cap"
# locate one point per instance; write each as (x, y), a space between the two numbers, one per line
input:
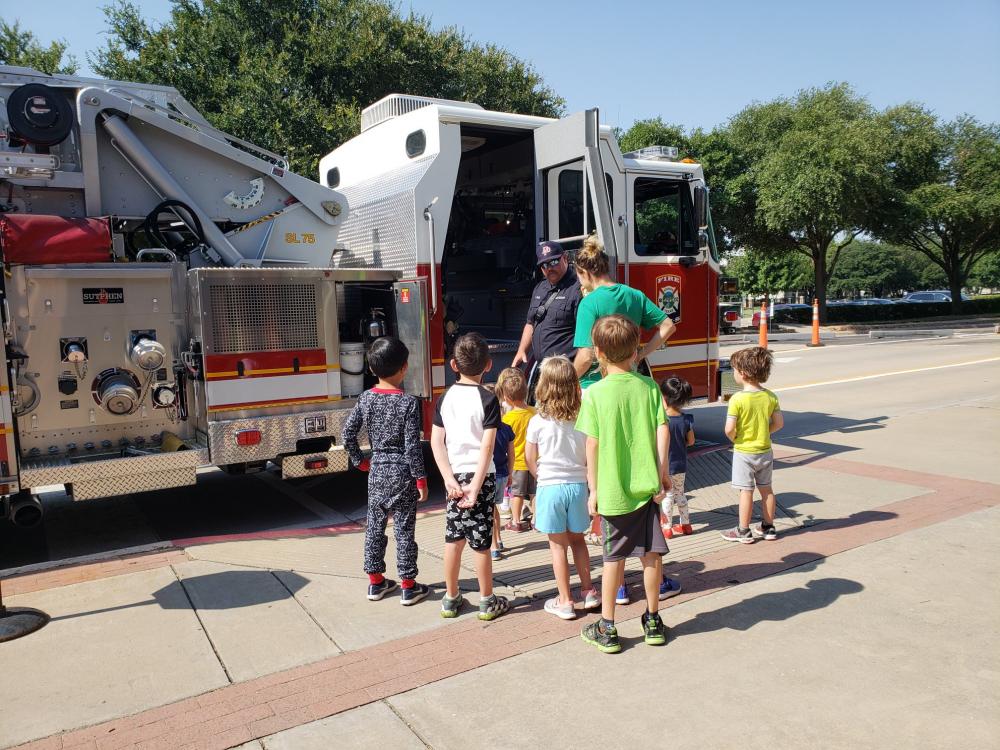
(547, 251)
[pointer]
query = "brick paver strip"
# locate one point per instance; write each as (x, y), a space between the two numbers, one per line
(91, 571)
(257, 708)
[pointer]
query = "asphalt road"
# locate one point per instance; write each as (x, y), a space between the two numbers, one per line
(841, 396)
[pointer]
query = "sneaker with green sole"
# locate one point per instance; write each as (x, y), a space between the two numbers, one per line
(606, 641)
(450, 607)
(653, 630)
(492, 607)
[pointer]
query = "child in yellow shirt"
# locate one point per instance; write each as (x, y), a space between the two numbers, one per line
(512, 390)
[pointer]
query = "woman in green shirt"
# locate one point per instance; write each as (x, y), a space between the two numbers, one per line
(607, 297)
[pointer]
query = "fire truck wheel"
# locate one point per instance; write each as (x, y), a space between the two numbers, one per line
(25, 510)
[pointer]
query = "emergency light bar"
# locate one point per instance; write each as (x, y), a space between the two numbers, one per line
(659, 153)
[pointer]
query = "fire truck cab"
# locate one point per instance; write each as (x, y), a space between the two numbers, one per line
(459, 196)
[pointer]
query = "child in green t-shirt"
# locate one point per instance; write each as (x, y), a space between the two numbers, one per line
(627, 442)
(753, 415)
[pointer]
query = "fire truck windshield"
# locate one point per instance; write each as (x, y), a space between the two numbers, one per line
(663, 221)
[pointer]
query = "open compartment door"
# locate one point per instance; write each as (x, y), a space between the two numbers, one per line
(411, 328)
(8, 446)
(577, 139)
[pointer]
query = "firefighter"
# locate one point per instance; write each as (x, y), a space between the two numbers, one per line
(552, 312)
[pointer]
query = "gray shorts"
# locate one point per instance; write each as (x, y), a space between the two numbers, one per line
(752, 470)
(634, 534)
(522, 484)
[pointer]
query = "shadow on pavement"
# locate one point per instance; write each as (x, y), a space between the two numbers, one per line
(230, 589)
(772, 606)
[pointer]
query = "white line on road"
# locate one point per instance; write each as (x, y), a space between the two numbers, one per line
(880, 342)
(885, 374)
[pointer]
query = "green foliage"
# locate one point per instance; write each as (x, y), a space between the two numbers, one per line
(808, 175)
(874, 268)
(20, 47)
(653, 132)
(986, 273)
(293, 75)
(768, 273)
(946, 197)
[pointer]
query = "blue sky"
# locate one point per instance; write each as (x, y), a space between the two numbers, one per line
(692, 63)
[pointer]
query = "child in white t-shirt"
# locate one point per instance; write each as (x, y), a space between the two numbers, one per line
(556, 454)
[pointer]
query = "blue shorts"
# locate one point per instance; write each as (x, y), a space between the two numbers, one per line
(501, 487)
(562, 507)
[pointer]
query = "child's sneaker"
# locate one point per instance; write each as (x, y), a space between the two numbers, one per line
(622, 596)
(377, 590)
(767, 533)
(562, 611)
(669, 587)
(681, 529)
(414, 594)
(494, 554)
(653, 630)
(591, 599)
(450, 607)
(605, 640)
(668, 530)
(735, 535)
(492, 607)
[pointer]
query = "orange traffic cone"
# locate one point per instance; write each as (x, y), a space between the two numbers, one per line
(815, 337)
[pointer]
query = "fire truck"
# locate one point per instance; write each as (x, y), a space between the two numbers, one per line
(175, 298)
(458, 196)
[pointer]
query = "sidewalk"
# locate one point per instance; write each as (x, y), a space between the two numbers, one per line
(268, 640)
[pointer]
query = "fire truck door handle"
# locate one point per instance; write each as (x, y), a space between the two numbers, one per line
(433, 255)
(622, 221)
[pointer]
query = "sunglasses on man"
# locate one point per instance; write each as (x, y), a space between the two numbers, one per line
(550, 264)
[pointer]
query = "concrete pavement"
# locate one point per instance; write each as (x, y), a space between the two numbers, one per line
(868, 623)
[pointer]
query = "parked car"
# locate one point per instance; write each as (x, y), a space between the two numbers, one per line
(776, 310)
(873, 301)
(934, 295)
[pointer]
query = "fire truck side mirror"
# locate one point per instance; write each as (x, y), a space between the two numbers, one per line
(701, 207)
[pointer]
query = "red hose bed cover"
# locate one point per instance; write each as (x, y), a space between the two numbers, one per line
(39, 240)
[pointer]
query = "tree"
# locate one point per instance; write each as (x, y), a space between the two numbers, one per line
(653, 132)
(293, 75)
(19, 47)
(947, 206)
(768, 273)
(806, 175)
(986, 273)
(872, 267)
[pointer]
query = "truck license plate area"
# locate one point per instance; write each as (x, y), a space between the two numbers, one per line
(315, 425)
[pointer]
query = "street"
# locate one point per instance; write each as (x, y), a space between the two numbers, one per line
(878, 601)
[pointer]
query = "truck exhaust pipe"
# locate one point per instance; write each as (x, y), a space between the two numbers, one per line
(26, 511)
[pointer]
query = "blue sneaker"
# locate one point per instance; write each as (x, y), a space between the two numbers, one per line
(377, 590)
(622, 596)
(669, 587)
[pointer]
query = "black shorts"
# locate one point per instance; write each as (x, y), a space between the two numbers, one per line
(475, 524)
(633, 534)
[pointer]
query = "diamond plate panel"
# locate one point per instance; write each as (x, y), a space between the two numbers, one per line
(279, 434)
(380, 228)
(293, 467)
(157, 480)
(116, 476)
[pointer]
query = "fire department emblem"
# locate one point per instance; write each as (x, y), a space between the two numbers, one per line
(668, 296)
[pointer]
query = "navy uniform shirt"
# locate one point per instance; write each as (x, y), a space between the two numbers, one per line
(554, 332)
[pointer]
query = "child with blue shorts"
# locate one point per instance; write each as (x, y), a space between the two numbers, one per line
(556, 454)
